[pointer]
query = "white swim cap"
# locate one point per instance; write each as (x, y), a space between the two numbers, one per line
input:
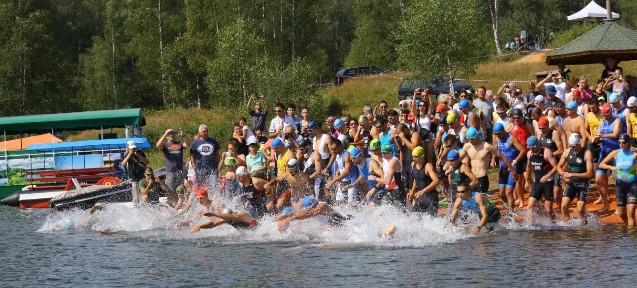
(574, 139)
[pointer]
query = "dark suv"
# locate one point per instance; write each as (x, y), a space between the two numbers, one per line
(354, 72)
(440, 85)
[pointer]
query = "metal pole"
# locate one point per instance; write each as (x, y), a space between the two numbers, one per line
(609, 15)
(135, 192)
(6, 158)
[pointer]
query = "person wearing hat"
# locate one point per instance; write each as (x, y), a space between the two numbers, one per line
(422, 183)
(619, 110)
(311, 208)
(479, 152)
(363, 136)
(576, 168)
(610, 130)
(306, 156)
(339, 128)
(365, 167)
(624, 161)
(382, 132)
(631, 125)
(540, 172)
(514, 151)
(553, 140)
(135, 162)
(556, 87)
(391, 181)
(252, 193)
(239, 220)
(575, 123)
(459, 175)
(292, 186)
(173, 150)
(582, 106)
(468, 117)
(229, 180)
(256, 162)
(346, 175)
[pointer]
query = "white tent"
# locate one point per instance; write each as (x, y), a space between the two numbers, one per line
(591, 11)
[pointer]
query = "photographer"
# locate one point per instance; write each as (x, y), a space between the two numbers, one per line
(135, 162)
(173, 150)
(150, 187)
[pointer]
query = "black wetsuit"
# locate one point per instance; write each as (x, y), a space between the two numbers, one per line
(243, 225)
(576, 164)
(541, 167)
(457, 178)
(428, 203)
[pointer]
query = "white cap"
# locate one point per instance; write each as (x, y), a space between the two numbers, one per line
(292, 163)
(252, 140)
(241, 171)
(539, 98)
(342, 138)
(632, 101)
(574, 139)
(131, 144)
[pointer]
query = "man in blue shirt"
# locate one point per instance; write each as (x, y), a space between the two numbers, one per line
(205, 151)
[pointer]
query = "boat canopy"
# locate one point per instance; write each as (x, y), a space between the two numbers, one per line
(106, 144)
(72, 121)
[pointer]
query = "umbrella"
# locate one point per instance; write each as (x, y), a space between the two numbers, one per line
(607, 40)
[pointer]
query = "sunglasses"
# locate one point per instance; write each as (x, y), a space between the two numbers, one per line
(419, 105)
(277, 111)
(383, 106)
(501, 112)
(623, 142)
(148, 174)
(379, 127)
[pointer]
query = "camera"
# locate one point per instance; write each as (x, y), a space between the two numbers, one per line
(287, 136)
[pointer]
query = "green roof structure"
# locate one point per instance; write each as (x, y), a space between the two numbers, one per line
(609, 39)
(72, 121)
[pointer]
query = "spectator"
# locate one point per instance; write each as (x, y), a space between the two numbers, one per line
(279, 122)
(135, 162)
(610, 68)
(205, 152)
(258, 115)
(173, 151)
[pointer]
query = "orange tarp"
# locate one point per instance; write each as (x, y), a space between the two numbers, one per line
(23, 143)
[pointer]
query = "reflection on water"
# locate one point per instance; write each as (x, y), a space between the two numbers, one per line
(38, 248)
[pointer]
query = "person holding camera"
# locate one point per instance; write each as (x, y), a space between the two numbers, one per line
(173, 151)
(616, 83)
(258, 114)
(135, 162)
(557, 81)
(150, 187)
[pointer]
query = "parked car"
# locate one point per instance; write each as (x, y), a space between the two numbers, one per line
(354, 72)
(440, 85)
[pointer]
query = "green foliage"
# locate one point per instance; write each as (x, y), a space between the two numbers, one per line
(572, 33)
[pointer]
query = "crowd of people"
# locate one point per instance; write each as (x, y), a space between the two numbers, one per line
(549, 141)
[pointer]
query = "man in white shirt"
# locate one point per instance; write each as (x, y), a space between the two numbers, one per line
(279, 122)
(556, 80)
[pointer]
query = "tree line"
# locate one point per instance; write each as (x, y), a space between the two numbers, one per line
(71, 55)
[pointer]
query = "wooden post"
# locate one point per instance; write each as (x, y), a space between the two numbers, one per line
(609, 15)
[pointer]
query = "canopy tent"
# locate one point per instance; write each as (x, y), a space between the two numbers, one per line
(591, 11)
(608, 40)
(75, 120)
(107, 144)
(19, 144)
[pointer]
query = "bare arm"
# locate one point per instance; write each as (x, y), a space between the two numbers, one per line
(604, 164)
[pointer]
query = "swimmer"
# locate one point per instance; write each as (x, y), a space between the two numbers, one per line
(422, 196)
(576, 168)
(540, 170)
(297, 186)
(312, 208)
(625, 160)
(239, 220)
(514, 151)
(478, 203)
(347, 173)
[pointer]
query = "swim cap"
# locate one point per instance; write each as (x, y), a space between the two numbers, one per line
(571, 105)
(418, 151)
(230, 161)
(574, 139)
(226, 211)
(201, 193)
(577, 93)
(330, 120)
(471, 133)
(374, 145)
(624, 137)
(543, 121)
(343, 138)
(241, 171)
(292, 163)
(312, 125)
(304, 142)
(531, 141)
(453, 155)
(551, 90)
(417, 101)
(632, 101)
(68, 224)
(356, 153)
(464, 104)
(441, 107)
(498, 127)
(605, 109)
(385, 148)
(277, 142)
(288, 143)
(338, 123)
(517, 112)
(362, 119)
(452, 117)
(286, 210)
(539, 99)
(614, 97)
(308, 201)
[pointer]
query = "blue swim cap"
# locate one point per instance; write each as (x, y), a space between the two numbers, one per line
(338, 123)
(471, 133)
(571, 105)
(417, 102)
(356, 153)
(277, 142)
(614, 97)
(498, 127)
(464, 104)
(286, 210)
(531, 141)
(312, 125)
(308, 201)
(453, 155)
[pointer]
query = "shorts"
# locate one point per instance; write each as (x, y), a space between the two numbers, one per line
(483, 184)
(173, 180)
(540, 189)
(493, 219)
(595, 150)
(626, 193)
(505, 178)
(557, 180)
(428, 204)
(575, 188)
(396, 197)
(602, 155)
(521, 166)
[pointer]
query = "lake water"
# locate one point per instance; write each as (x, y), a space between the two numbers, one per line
(46, 248)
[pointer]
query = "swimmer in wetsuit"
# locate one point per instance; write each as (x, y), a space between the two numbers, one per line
(478, 203)
(312, 208)
(625, 162)
(240, 220)
(576, 168)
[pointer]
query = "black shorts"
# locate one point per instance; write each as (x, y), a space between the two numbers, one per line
(428, 203)
(540, 189)
(483, 184)
(595, 150)
(626, 193)
(396, 197)
(575, 188)
(505, 178)
(557, 180)
(633, 142)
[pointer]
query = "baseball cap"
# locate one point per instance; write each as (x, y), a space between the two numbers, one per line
(498, 127)
(463, 104)
(304, 142)
(452, 117)
(356, 153)
(531, 141)
(574, 139)
(632, 101)
(277, 142)
(312, 125)
(551, 90)
(242, 171)
(374, 145)
(385, 148)
(418, 151)
(441, 107)
(286, 210)
(571, 105)
(542, 122)
(453, 155)
(252, 140)
(605, 109)
(131, 144)
(614, 97)
(338, 123)
(471, 133)
(539, 99)
(624, 137)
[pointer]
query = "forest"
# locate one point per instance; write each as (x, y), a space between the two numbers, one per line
(73, 55)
